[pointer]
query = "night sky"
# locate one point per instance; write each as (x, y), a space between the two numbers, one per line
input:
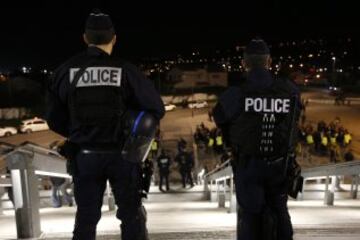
(47, 33)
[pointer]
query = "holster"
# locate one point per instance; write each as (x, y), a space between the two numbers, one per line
(294, 178)
(69, 151)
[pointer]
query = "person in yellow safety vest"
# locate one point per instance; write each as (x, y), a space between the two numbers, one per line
(154, 148)
(219, 144)
(211, 142)
(219, 141)
(324, 144)
(347, 138)
(324, 140)
(333, 139)
(309, 139)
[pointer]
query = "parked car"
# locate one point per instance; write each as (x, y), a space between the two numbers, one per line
(7, 131)
(33, 125)
(198, 104)
(169, 107)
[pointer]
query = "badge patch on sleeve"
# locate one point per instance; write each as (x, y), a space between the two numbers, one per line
(98, 76)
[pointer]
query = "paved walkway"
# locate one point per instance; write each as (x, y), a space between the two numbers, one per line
(186, 216)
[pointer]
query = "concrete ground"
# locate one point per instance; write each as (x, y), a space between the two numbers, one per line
(185, 215)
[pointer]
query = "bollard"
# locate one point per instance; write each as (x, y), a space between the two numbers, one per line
(26, 195)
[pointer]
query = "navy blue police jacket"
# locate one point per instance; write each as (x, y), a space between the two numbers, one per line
(229, 105)
(137, 93)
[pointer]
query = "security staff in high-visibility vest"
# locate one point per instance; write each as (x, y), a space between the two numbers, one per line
(347, 138)
(154, 148)
(219, 144)
(258, 119)
(89, 98)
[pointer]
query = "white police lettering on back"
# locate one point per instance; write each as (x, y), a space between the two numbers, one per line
(98, 76)
(267, 105)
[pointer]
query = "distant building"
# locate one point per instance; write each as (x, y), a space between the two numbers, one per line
(188, 77)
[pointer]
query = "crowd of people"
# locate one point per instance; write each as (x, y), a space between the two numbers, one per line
(326, 139)
(209, 139)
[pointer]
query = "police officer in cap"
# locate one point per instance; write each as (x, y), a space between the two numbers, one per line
(88, 97)
(257, 119)
(164, 163)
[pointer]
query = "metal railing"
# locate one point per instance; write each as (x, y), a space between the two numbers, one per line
(331, 173)
(25, 163)
(219, 186)
(219, 183)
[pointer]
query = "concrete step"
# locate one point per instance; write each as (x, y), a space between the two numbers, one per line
(300, 234)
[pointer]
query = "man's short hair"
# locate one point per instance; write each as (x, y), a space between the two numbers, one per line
(256, 60)
(99, 37)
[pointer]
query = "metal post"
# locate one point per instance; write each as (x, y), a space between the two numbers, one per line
(221, 195)
(111, 200)
(207, 191)
(217, 189)
(233, 202)
(329, 194)
(213, 196)
(26, 195)
(224, 184)
(354, 186)
(1, 194)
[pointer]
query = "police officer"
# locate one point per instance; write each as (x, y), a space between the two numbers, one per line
(186, 164)
(88, 97)
(254, 118)
(164, 163)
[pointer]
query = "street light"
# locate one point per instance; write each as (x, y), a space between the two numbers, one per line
(333, 70)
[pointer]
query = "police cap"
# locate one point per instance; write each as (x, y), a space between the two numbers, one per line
(98, 21)
(257, 46)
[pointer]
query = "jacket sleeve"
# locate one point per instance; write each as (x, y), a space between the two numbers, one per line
(144, 95)
(57, 115)
(227, 107)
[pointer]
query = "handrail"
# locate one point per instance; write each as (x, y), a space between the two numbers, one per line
(222, 166)
(330, 172)
(346, 168)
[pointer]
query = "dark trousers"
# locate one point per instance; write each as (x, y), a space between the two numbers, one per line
(186, 177)
(261, 193)
(164, 176)
(93, 170)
